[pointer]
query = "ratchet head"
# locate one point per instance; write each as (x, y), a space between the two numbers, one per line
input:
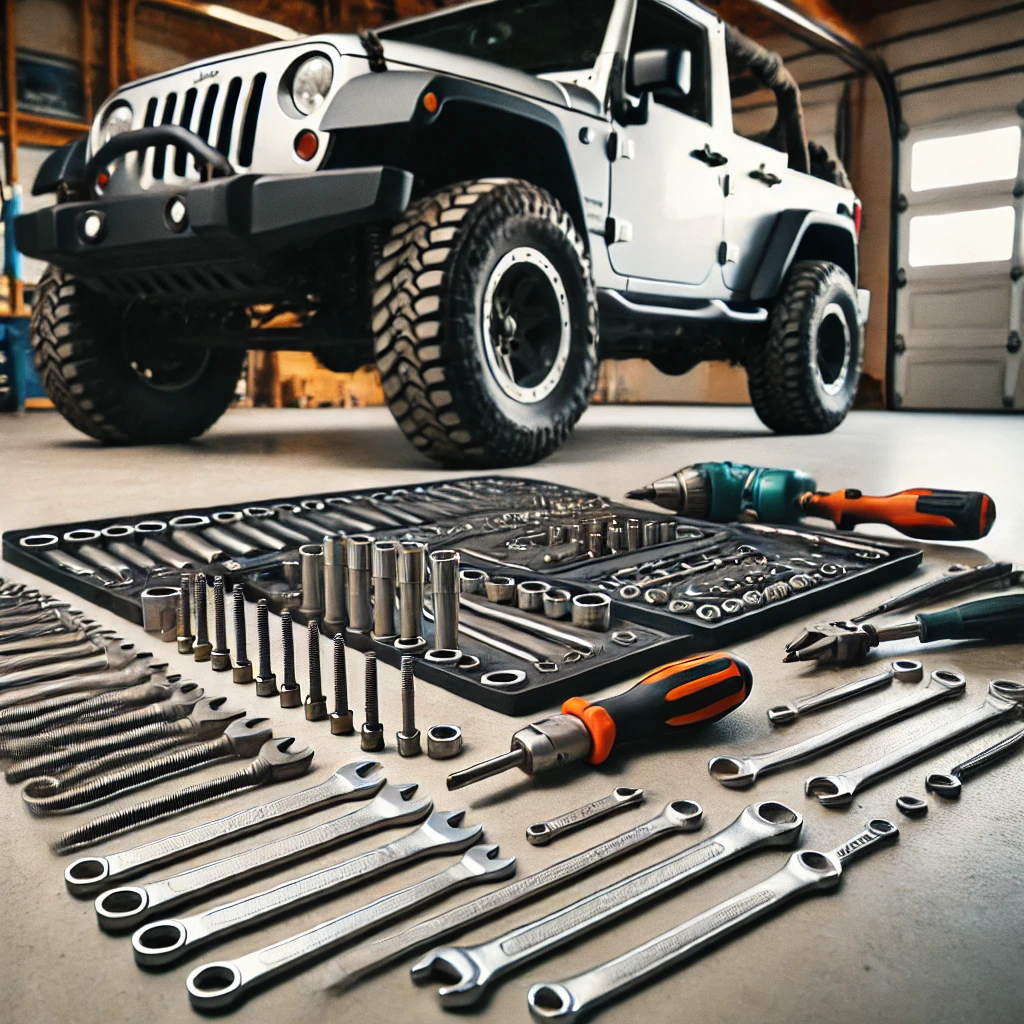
(444, 834)
(247, 735)
(841, 643)
(212, 715)
(397, 804)
(285, 762)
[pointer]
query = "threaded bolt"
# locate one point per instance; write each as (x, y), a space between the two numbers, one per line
(341, 717)
(241, 671)
(372, 738)
(316, 702)
(266, 681)
(409, 737)
(291, 696)
(202, 648)
(220, 657)
(184, 615)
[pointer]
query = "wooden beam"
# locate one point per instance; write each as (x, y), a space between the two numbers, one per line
(130, 72)
(85, 39)
(823, 12)
(10, 57)
(113, 43)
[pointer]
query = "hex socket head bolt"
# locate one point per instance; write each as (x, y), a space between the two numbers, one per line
(444, 583)
(266, 681)
(241, 670)
(385, 576)
(334, 585)
(341, 716)
(291, 695)
(202, 648)
(311, 562)
(372, 738)
(220, 656)
(358, 558)
(316, 702)
(184, 615)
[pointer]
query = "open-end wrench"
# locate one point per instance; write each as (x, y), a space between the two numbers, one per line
(758, 826)
(164, 942)
(905, 670)
(28, 613)
(678, 816)
(178, 704)
(106, 654)
(136, 670)
(806, 872)
(46, 652)
(949, 784)
(739, 772)
(243, 738)
(1005, 700)
(70, 628)
(87, 876)
(218, 985)
(208, 719)
(392, 807)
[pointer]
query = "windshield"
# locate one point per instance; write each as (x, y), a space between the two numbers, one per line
(537, 36)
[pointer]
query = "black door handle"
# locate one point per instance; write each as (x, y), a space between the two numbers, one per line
(709, 156)
(766, 176)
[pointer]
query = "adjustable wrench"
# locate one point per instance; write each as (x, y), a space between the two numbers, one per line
(103, 654)
(678, 816)
(1005, 700)
(806, 872)
(391, 807)
(217, 985)
(739, 772)
(356, 781)
(759, 826)
(163, 942)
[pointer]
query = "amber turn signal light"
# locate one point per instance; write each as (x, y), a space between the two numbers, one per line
(306, 144)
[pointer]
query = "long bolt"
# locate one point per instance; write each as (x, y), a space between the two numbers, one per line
(291, 696)
(220, 657)
(202, 648)
(409, 737)
(241, 671)
(341, 717)
(266, 681)
(372, 738)
(316, 702)
(185, 635)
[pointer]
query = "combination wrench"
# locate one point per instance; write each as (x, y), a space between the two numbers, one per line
(166, 941)
(949, 784)
(678, 816)
(134, 670)
(758, 826)
(103, 654)
(87, 876)
(218, 985)
(1005, 700)
(391, 807)
(740, 772)
(806, 872)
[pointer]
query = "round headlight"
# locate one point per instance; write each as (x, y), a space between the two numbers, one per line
(311, 83)
(116, 121)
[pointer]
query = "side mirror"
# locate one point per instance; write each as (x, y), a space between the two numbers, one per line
(665, 71)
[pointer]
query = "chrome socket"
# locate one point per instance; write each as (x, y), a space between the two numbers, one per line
(311, 562)
(592, 611)
(530, 595)
(500, 589)
(160, 612)
(471, 581)
(334, 585)
(444, 741)
(411, 577)
(444, 582)
(358, 551)
(385, 574)
(556, 603)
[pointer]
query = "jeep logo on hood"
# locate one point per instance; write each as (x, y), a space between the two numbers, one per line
(203, 75)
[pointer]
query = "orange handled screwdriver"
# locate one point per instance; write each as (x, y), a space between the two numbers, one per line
(920, 513)
(681, 694)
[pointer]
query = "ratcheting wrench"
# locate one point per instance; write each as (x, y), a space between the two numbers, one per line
(1005, 700)
(218, 985)
(759, 826)
(359, 780)
(678, 816)
(163, 942)
(905, 670)
(806, 872)
(739, 772)
(391, 807)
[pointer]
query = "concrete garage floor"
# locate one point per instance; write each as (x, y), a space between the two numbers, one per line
(929, 930)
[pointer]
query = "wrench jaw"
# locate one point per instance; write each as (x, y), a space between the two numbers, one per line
(285, 763)
(482, 861)
(212, 717)
(441, 832)
(831, 790)
(396, 803)
(121, 909)
(361, 777)
(467, 976)
(248, 735)
(734, 772)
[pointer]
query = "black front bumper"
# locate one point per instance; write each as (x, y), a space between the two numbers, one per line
(240, 218)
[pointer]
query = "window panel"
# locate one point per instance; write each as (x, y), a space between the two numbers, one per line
(971, 236)
(965, 159)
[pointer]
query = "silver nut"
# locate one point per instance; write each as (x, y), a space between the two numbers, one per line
(159, 611)
(444, 741)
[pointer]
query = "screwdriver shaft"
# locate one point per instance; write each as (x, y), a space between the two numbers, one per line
(486, 769)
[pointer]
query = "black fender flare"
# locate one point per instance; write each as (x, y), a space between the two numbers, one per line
(804, 234)
(64, 166)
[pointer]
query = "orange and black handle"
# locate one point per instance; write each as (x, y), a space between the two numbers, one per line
(694, 691)
(921, 513)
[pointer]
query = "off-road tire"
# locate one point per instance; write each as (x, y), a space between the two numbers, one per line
(785, 386)
(429, 342)
(76, 343)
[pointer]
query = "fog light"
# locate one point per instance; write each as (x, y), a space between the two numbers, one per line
(306, 144)
(92, 226)
(176, 213)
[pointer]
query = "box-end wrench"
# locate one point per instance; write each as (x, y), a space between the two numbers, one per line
(135, 670)
(105, 654)
(739, 772)
(620, 799)
(167, 941)
(1005, 700)
(217, 985)
(806, 872)
(905, 670)
(87, 876)
(391, 807)
(678, 816)
(758, 826)
(949, 784)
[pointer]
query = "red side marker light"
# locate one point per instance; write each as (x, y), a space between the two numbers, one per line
(306, 144)
(430, 103)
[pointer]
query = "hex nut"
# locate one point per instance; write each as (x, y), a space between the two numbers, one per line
(444, 741)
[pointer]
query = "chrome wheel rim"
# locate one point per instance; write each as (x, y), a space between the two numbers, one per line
(526, 326)
(833, 349)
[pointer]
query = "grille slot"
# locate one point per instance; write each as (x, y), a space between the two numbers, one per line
(187, 108)
(249, 124)
(227, 117)
(206, 115)
(160, 152)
